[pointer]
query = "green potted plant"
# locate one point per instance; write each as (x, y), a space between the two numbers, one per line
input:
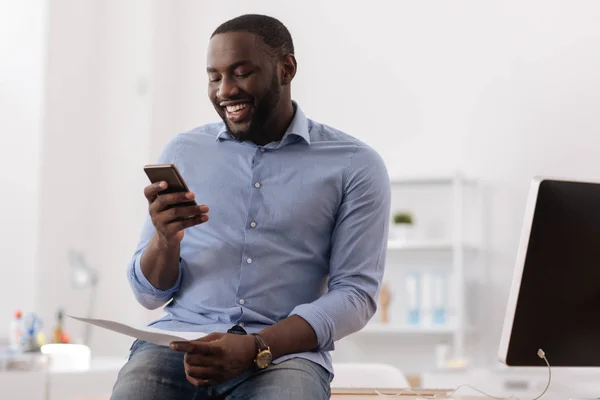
(403, 222)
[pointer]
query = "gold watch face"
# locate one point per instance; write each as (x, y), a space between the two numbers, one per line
(263, 359)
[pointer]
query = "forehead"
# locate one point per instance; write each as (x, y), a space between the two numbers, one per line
(225, 49)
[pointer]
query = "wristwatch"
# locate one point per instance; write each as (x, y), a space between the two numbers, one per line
(264, 356)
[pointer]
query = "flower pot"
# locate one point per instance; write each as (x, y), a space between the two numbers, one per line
(401, 232)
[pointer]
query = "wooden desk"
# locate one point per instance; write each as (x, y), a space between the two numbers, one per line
(376, 396)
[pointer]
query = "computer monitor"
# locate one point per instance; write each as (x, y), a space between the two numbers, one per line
(554, 300)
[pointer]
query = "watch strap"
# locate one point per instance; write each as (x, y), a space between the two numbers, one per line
(237, 330)
(260, 343)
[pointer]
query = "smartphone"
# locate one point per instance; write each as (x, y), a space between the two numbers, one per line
(169, 174)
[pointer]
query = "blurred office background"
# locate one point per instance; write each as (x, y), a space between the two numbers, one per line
(493, 91)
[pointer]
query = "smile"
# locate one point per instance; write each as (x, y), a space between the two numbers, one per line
(238, 112)
(236, 107)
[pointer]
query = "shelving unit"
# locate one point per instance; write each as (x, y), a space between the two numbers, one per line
(445, 252)
(398, 329)
(434, 180)
(428, 245)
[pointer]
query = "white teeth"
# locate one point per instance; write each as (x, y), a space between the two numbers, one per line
(236, 107)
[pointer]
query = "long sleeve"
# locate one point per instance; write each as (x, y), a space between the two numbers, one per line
(145, 293)
(358, 253)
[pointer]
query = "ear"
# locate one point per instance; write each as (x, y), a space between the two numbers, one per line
(288, 68)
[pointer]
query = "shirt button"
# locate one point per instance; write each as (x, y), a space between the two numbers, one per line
(249, 261)
(242, 301)
(262, 149)
(241, 324)
(257, 185)
(253, 224)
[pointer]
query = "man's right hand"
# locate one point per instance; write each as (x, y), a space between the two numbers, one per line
(167, 221)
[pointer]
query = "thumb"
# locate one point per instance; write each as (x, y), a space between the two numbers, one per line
(183, 346)
(210, 337)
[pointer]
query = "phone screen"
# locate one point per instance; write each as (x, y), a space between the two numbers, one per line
(169, 174)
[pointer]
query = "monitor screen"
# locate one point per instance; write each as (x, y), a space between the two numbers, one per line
(558, 299)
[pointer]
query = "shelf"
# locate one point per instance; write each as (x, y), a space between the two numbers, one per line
(426, 245)
(431, 180)
(375, 328)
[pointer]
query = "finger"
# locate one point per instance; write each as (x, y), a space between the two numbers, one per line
(198, 382)
(164, 219)
(202, 373)
(191, 347)
(210, 337)
(151, 191)
(179, 212)
(206, 348)
(175, 226)
(199, 360)
(163, 201)
(183, 346)
(194, 381)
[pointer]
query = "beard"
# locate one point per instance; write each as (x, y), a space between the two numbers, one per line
(261, 115)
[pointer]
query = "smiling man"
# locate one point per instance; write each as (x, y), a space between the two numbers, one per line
(252, 106)
(292, 256)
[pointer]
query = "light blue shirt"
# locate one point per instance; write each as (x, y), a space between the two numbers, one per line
(296, 227)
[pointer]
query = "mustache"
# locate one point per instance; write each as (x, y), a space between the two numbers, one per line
(221, 100)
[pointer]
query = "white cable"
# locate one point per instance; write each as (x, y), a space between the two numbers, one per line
(541, 354)
(419, 395)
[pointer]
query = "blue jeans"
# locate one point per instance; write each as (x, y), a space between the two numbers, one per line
(157, 372)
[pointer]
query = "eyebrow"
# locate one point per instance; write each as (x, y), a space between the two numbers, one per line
(232, 66)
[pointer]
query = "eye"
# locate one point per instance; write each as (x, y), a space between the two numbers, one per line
(214, 78)
(243, 75)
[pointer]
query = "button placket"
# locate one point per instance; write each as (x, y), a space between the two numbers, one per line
(251, 223)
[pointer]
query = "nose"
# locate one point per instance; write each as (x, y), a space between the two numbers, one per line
(228, 88)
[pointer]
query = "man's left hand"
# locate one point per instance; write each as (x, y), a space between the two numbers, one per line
(216, 358)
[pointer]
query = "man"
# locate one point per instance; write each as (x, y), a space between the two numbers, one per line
(294, 249)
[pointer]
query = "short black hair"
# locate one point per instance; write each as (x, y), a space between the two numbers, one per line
(273, 33)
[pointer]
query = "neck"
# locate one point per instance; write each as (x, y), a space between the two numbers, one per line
(274, 131)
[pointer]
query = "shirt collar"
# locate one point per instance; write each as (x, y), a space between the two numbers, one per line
(298, 127)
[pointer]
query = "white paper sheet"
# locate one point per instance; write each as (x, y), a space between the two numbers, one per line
(149, 334)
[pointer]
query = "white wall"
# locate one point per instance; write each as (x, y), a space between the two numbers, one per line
(96, 142)
(22, 50)
(502, 90)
